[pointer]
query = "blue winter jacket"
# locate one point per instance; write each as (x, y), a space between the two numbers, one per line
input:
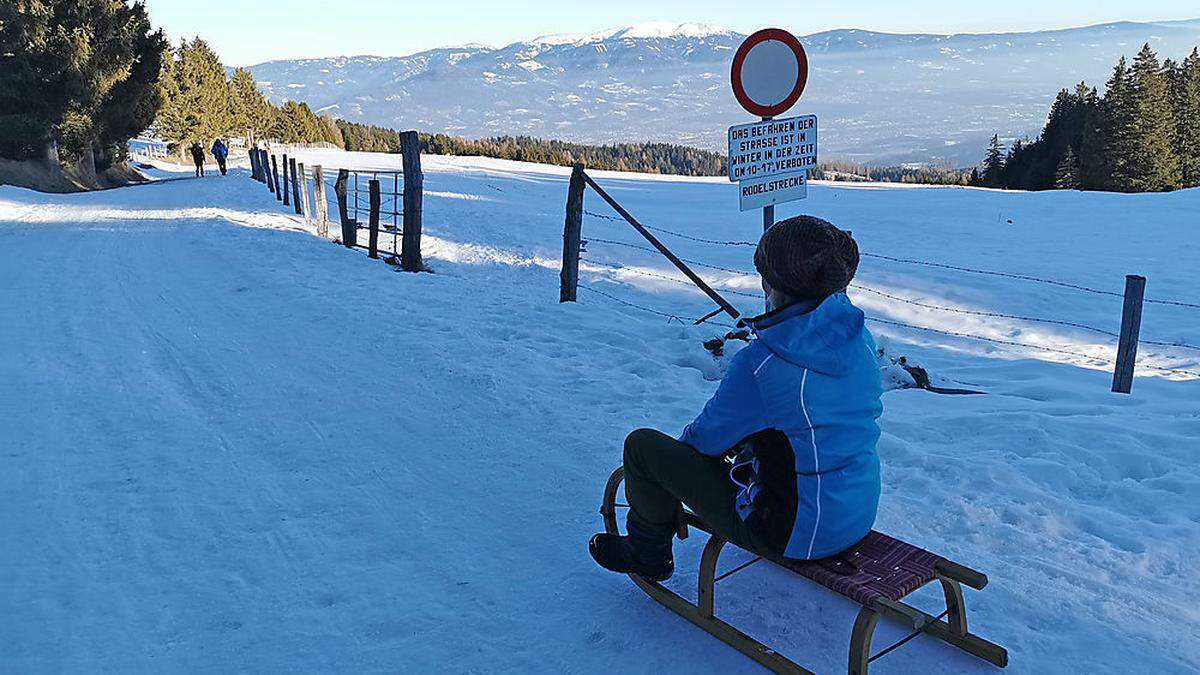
(219, 150)
(803, 399)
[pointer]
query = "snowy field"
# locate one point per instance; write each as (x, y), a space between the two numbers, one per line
(228, 445)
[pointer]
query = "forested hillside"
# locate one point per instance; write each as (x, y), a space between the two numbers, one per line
(200, 103)
(641, 157)
(1142, 135)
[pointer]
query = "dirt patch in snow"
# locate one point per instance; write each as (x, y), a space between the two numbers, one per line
(49, 176)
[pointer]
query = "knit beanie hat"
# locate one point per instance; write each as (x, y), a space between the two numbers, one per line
(806, 257)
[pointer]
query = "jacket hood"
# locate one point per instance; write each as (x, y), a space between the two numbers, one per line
(818, 336)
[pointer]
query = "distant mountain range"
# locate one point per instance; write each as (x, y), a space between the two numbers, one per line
(881, 97)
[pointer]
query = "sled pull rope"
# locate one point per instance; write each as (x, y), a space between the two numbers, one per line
(905, 640)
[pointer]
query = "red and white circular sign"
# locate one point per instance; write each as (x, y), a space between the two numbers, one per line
(769, 72)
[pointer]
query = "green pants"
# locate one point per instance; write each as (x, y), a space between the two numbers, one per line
(661, 472)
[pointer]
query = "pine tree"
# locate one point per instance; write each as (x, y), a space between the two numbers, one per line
(1153, 163)
(993, 164)
(195, 95)
(131, 104)
(1093, 167)
(1066, 176)
(287, 126)
(248, 108)
(1105, 157)
(33, 51)
(63, 61)
(1186, 98)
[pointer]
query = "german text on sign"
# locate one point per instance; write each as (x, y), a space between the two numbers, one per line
(759, 192)
(772, 147)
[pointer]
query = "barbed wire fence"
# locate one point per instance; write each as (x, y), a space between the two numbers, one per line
(355, 193)
(391, 201)
(586, 257)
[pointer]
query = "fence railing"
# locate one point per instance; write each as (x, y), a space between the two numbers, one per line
(391, 201)
(144, 149)
(281, 147)
(574, 244)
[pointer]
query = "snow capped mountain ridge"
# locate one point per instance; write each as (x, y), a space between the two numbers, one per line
(882, 97)
(638, 31)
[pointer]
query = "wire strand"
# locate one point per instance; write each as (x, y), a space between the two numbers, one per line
(1016, 317)
(664, 277)
(927, 263)
(681, 319)
(639, 247)
(1013, 343)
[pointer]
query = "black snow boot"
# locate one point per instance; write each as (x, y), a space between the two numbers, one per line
(646, 554)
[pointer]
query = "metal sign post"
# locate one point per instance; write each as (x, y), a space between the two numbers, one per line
(770, 159)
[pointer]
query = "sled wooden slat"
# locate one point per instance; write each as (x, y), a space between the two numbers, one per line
(719, 629)
(876, 573)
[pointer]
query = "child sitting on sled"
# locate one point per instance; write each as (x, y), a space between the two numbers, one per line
(797, 410)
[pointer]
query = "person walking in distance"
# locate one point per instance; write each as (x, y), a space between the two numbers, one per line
(198, 158)
(220, 151)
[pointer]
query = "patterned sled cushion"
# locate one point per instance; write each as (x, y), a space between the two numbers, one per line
(879, 566)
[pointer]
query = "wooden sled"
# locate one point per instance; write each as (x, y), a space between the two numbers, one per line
(876, 573)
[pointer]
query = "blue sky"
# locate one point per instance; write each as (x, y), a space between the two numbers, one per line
(245, 32)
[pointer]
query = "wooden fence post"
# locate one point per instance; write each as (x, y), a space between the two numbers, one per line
(349, 227)
(265, 163)
(414, 187)
(253, 163)
(295, 188)
(302, 177)
(373, 242)
(1131, 328)
(572, 233)
(287, 188)
(322, 209)
(275, 177)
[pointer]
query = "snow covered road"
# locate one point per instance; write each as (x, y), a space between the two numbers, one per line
(225, 445)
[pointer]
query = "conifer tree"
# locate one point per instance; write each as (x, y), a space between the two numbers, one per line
(248, 108)
(332, 131)
(195, 97)
(1106, 153)
(1186, 98)
(63, 61)
(131, 104)
(1066, 176)
(34, 51)
(1093, 167)
(1153, 162)
(993, 164)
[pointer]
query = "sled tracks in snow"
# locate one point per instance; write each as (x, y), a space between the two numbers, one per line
(876, 573)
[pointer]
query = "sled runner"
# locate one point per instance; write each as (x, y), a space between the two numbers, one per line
(876, 573)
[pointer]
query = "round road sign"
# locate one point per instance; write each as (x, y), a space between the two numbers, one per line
(769, 72)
